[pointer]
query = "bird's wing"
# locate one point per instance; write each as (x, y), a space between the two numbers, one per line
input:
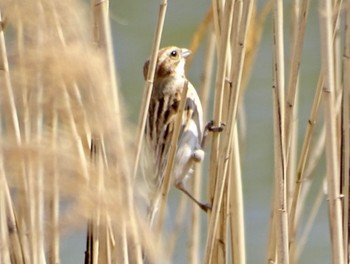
(193, 110)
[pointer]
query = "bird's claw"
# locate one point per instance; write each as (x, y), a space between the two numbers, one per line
(205, 207)
(210, 126)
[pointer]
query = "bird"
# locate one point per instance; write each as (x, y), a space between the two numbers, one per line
(168, 84)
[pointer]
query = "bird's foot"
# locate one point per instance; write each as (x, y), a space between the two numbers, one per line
(210, 126)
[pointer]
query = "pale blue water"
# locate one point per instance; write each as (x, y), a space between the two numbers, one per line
(133, 33)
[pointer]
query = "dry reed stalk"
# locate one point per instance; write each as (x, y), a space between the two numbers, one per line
(8, 84)
(308, 180)
(304, 177)
(207, 74)
(176, 230)
(11, 248)
(96, 184)
(239, 45)
(303, 173)
(198, 36)
(53, 199)
(304, 154)
(345, 133)
(254, 33)
(167, 180)
(82, 158)
(271, 246)
(104, 234)
(292, 157)
(309, 224)
(337, 9)
(4, 236)
(18, 253)
(148, 87)
(49, 118)
(332, 155)
(36, 170)
(194, 240)
(300, 13)
(280, 199)
(220, 250)
(13, 239)
(254, 37)
(194, 237)
(296, 199)
(221, 254)
(295, 60)
(217, 178)
(236, 206)
(280, 181)
(218, 21)
(104, 40)
(222, 47)
(241, 18)
(25, 122)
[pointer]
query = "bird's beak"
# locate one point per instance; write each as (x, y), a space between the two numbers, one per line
(186, 53)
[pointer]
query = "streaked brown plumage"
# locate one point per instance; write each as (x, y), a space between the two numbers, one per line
(164, 105)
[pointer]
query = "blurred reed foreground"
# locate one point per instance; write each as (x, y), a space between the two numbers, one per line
(67, 160)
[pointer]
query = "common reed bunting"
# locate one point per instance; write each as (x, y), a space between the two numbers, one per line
(168, 84)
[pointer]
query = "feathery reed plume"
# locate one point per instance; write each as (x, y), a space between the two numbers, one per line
(62, 92)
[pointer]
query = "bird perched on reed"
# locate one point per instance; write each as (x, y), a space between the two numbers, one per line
(169, 81)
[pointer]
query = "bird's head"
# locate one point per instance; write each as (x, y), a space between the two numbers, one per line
(170, 61)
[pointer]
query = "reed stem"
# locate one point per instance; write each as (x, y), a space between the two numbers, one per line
(332, 155)
(280, 198)
(148, 87)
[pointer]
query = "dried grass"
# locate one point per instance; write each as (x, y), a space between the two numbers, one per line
(66, 155)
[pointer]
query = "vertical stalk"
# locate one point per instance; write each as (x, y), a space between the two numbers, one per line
(346, 132)
(239, 49)
(295, 59)
(165, 186)
(148, 87)
(103, 38)
(332, 155)
(8, 85)
(218, 177)
(309, 224)
(223, 42)
(7, 248)
(280, 201)
(236, 205)
(194, 241)
(300, 173)
(14, 245)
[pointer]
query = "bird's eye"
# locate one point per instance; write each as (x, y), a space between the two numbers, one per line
(173, 53)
